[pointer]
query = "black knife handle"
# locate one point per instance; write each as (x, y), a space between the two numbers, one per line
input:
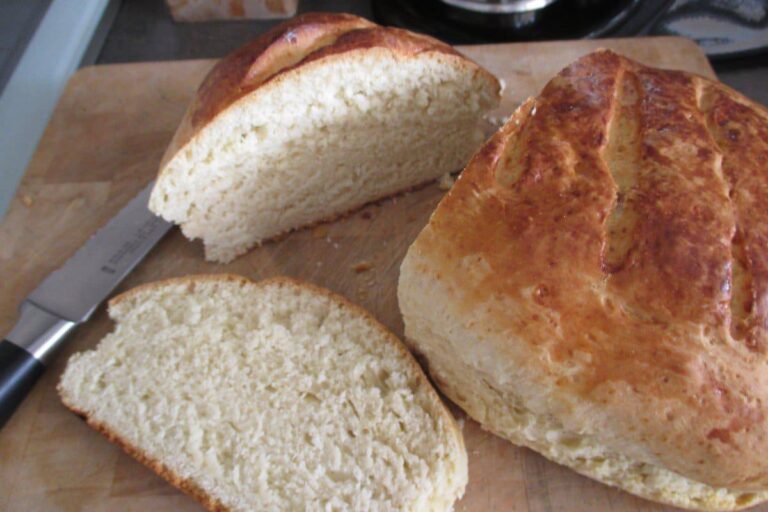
(19, 371)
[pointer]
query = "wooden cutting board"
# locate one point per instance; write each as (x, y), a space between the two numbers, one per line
(102, 145)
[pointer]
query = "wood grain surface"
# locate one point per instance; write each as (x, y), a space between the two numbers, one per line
(103, 145)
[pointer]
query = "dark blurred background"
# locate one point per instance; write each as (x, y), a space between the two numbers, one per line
(734, 33)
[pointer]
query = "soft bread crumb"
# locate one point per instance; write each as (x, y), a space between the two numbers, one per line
(272, 396)
(320, 141)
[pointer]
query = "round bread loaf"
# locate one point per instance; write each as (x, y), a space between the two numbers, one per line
(595, 284)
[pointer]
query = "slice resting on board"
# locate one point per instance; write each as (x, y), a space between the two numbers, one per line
(268, 396)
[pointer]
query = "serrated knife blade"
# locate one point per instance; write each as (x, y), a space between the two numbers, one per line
(90, 275)
(68, 296)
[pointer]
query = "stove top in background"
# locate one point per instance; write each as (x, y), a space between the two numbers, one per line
(724, 28)
(561, 19)
(144, 31)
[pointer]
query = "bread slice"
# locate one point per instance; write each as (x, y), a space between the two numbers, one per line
(317, 117)
(594, 285)
(268, 396)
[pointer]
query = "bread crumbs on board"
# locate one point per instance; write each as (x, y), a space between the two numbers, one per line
(445, 182)
(362, 266)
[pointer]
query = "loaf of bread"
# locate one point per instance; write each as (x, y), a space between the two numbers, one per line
(269, 396)
(595, 284)
(313, 119)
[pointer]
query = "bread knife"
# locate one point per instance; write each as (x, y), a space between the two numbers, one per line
(70, 295)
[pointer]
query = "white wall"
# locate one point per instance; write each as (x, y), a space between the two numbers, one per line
(31, 93)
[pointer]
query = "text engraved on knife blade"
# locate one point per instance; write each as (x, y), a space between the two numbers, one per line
(89, 276)
(129, 247)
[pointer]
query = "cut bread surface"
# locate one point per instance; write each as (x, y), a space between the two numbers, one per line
(368, 119)
(268, 396)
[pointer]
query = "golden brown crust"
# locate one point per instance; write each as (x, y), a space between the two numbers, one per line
(628, 263)
(286, 48)
(400, 41)
(253, 64)
(740, 131)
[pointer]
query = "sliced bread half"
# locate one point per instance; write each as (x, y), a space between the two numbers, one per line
(317, 117)
(268, 396)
